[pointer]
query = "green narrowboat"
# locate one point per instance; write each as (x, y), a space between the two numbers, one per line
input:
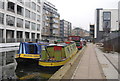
(57, 54)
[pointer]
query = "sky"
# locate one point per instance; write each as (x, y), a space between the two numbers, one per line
(81, 13)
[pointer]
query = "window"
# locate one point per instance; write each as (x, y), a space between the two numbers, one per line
(19, 34)
(33, 6)
(19, 10)
(33, 36)
(55, 31)
(27, 35)
(106, 15)
(19, 22)
(106, 21)
(2, 4)
(39, 1)
(38, 8)
(11, 7)
(21, 1)
(32, 49)
(38, 27)
(1, 18)
(10, 20)
(38, 18)
(27, 24)
(27, 13)
(38, 36)
(33, 26)
(33, 16)
(27, 3)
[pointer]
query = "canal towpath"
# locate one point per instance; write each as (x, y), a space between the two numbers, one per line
(95, 65)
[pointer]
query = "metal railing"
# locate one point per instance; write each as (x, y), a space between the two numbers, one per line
(12, 40)
(2, 40)
(20, 40)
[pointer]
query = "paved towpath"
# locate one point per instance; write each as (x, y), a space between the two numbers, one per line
(88, 67)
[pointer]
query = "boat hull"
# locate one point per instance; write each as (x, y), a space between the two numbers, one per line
(27, 61)
(55, 64)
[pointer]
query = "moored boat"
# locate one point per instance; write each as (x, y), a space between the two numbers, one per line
(57, 54)
(29, 52)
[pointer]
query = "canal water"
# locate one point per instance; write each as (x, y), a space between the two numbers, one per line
(10, 69)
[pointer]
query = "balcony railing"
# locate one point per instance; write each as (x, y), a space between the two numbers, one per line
(12, 40)
(20, 40)
(2, 40)
(26, 40)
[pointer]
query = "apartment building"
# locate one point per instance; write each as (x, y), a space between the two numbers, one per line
(106, 24)
(65, 29)
(51, 22)
(20, 20)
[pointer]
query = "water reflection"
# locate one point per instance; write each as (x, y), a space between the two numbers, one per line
(9, 69)
(7, 65)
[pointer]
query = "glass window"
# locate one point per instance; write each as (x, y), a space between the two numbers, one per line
(27, 13)
(38, 8)
(19, 22)
(27, 24)
(1, 18)
(38, 27)
(27, 35)
(33, 26)
(38, 18)
(27, 3)
(21, 1)
(11, 6)
(32, 49)
(19, 10)
(33, 36)
(2, 4)
(10, 20)
(33, 16)
(39, 1)
(106, 15)
(33, 6)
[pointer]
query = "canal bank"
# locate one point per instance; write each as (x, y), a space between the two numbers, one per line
(66, 71)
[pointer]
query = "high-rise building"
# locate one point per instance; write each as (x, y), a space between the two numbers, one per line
(65, 29)
(20, 20)
(50, 22)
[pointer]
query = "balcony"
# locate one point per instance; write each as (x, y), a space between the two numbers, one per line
(52, 22)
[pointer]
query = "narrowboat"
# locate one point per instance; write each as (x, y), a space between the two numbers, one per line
(54, 55)
(29, 51)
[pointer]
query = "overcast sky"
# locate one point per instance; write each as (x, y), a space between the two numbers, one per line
(82, 12)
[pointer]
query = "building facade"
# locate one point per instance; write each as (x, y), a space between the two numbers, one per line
(50, 22)
(92, 30)
(65, 29)
(106, 23)
(20, 20)
(80, 32)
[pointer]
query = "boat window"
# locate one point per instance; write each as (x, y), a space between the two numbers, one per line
(43, 47)
(68, 50)
(32, 49)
